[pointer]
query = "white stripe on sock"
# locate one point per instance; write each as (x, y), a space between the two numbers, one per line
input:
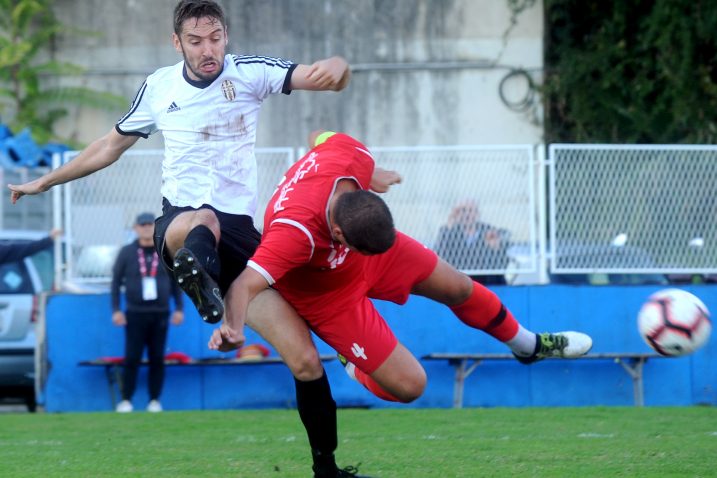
(523, 343)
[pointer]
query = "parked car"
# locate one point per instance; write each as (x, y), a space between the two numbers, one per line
(607, 256)
(20, 284)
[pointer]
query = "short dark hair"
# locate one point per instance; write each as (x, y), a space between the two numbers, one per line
(186, 9)
(365, 221)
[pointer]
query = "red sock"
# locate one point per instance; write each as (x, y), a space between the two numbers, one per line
(483, 310)
(365, 379)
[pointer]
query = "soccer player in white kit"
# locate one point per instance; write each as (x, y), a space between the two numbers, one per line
(207, 107)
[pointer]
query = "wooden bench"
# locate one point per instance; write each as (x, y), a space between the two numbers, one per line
(114, 378)
(465, 364)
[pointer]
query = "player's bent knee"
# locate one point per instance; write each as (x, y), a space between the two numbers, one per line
(305, 366)
(411, 389)
(407, 385)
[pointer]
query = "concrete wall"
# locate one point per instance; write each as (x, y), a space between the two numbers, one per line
(79, 328)
(425, 71)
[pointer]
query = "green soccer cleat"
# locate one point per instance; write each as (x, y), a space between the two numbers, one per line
(559, 345)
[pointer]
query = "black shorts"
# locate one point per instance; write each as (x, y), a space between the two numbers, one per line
(239, 239)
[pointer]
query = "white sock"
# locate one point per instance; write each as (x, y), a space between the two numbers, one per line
(351, 370)
(523, 343)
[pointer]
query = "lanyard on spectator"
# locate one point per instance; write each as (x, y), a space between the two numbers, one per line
(143, 263)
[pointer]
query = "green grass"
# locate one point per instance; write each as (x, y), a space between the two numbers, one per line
(555, 442)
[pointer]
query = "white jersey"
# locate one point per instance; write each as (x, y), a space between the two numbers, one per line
(209, 129)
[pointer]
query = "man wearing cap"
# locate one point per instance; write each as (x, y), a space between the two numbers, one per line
(148, 288)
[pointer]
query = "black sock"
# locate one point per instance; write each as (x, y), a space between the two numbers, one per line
(203, 244)
(317, 410)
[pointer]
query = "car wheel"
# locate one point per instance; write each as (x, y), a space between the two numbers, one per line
(30, 402)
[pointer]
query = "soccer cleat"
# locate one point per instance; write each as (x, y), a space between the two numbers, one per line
(560, 345)
(154, 406)
(349, 471)
(348, 366)
(125, 406)
(199, 286)
(336, 472)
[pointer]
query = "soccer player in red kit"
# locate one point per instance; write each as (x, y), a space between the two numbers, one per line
(329, 246)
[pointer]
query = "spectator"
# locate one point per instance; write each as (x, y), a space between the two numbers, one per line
(468, 244)
(13, 252)
(148, 288)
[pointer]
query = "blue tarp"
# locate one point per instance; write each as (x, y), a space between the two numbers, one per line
(21, 151)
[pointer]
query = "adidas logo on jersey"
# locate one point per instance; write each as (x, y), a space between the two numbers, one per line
(173, 107)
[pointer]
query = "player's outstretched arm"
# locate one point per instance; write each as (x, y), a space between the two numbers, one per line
(230, 336)
(99, 154)
(327, 74)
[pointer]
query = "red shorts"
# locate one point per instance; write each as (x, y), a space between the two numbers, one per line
(356, 330)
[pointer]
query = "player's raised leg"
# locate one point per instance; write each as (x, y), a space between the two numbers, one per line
(190, 243)
(480, 308)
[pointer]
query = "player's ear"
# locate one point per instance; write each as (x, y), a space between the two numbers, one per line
(338, 234)
(176, 42)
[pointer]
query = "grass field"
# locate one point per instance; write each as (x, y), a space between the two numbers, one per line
(555, 442)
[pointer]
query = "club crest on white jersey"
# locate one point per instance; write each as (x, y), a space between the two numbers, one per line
(228, 90)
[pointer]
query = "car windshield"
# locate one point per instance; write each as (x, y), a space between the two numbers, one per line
(44, 264)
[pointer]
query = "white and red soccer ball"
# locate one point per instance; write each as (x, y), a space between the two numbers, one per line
(674, 322)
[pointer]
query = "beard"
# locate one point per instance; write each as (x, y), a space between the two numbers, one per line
(196, 72)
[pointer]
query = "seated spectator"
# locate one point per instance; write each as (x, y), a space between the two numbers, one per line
(469, 244)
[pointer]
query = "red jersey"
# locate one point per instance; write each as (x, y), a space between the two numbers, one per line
(297, 253)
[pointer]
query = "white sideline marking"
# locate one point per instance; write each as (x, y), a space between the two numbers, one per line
(596, 435)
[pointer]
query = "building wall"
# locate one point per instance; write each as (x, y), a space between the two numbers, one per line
(425, 71)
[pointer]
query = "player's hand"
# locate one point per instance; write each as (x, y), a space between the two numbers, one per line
(29, 188)
(119, 319)
(226, 339)
(383, 179)
(329, 74)
(177, 317)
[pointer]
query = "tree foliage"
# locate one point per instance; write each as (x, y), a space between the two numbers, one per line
(27, 29)
(631, 71)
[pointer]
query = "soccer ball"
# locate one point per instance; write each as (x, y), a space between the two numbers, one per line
(674, 322)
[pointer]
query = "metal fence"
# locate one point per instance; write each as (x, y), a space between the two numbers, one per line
(471, 204)
(33, 212)
(584, 209)
(98, 210)
(633, 208)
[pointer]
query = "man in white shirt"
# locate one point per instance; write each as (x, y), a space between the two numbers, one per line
(207, 108)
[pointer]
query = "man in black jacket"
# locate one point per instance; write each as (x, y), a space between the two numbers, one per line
(148, 288)
(13, 252)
